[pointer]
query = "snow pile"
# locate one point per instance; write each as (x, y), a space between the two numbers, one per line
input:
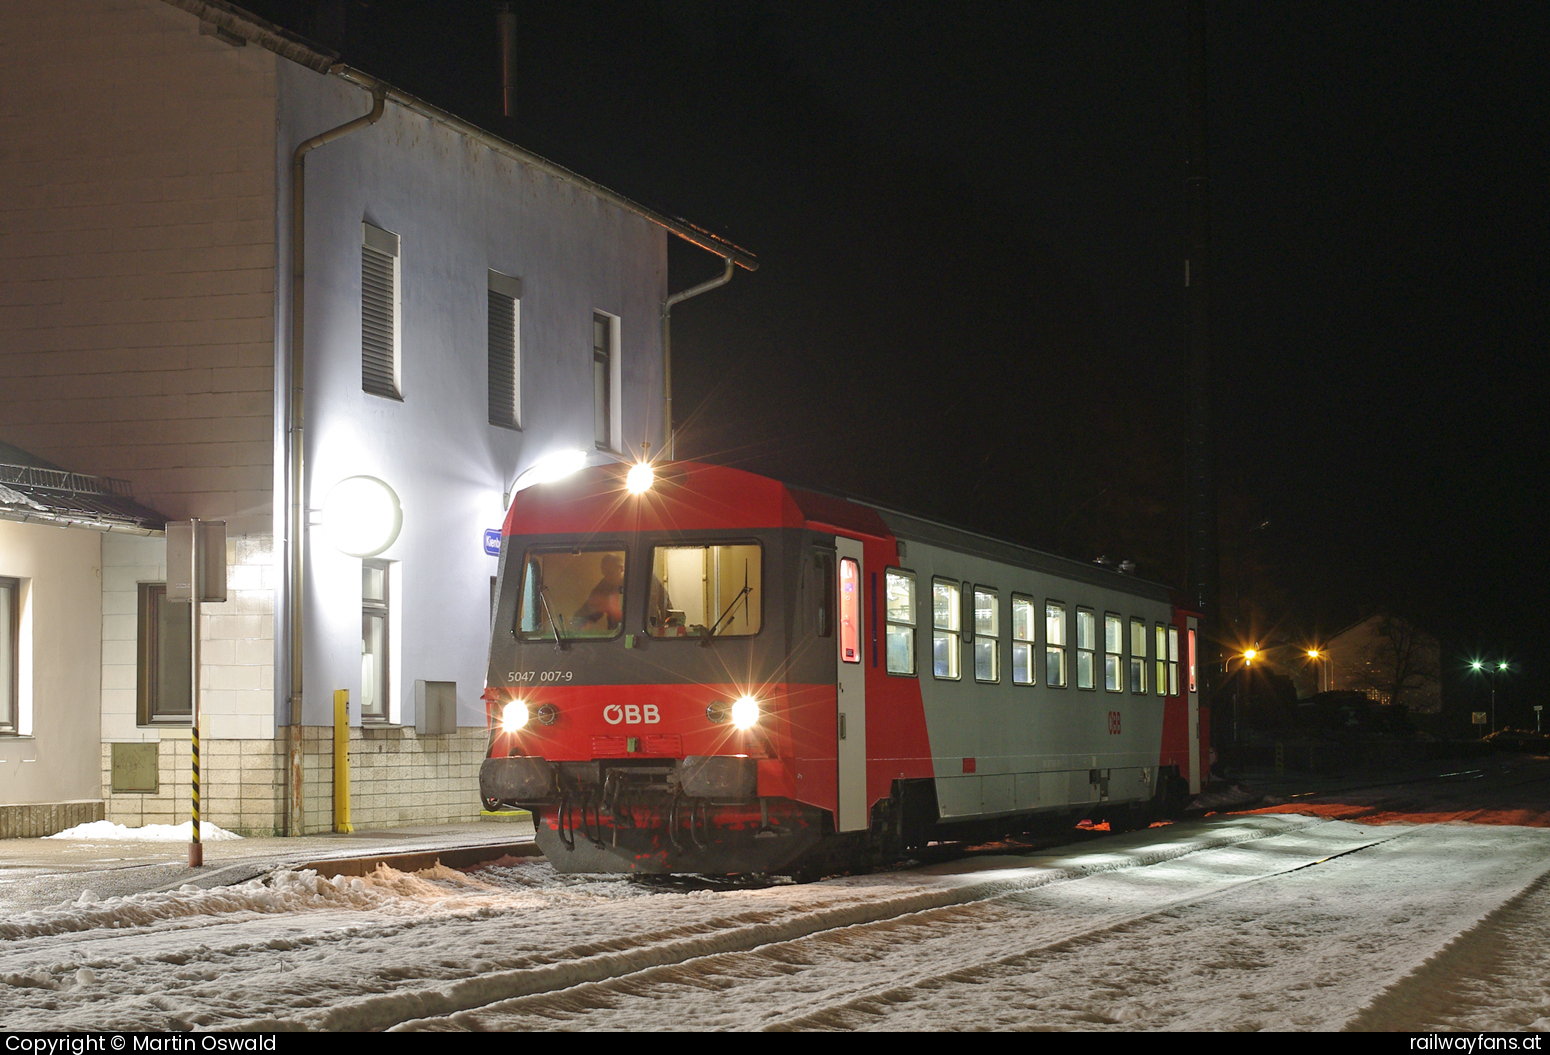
(107, 831)
(385, 892)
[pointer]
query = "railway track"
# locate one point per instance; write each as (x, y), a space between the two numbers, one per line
(1236, 922)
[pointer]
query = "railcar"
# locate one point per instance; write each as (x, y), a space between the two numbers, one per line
(720, 673)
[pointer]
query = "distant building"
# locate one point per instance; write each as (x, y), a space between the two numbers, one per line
(469, 308)
(1385, 656)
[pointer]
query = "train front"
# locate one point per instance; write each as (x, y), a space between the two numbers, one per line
(643, 696)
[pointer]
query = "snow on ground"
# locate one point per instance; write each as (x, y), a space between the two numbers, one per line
(107, 831)
(1248, 922)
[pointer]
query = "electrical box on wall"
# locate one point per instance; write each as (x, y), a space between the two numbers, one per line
(435, 708)
(209, 579)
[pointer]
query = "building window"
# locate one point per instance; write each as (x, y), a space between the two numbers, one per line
(374, 640)
(1054, 645)
(165, 663)
(1160, 659)
(899, 599)
(987, 630)
(946, 611)
(605, 376)
(1138, 656)
(10, 656)
(1086, 649)
(505, 308)
(1023, 625)
(380, 373)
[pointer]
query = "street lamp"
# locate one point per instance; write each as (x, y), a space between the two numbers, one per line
(1325, 670)
(1491, 671)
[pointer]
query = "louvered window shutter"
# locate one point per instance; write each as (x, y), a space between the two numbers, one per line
(504, 353)
(379, 313)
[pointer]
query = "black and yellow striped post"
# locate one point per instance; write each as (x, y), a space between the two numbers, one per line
(196, 850)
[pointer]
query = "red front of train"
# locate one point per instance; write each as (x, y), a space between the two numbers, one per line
(663, 687)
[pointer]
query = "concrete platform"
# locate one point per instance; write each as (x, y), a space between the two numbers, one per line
(35, 873)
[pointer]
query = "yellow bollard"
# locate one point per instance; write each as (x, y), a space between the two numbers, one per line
(342, 761)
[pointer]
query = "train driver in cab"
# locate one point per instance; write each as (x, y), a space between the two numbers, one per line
(603, 610)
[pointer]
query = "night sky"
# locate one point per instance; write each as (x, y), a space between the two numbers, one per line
(970, 221)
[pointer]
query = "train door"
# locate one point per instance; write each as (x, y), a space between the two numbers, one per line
(1192, 694)
(853, 813)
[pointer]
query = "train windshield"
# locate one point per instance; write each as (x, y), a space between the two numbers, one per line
(571, 594)
(711, 590)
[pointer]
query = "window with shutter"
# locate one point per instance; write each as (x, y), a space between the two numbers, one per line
(505, 352)
(379, 312)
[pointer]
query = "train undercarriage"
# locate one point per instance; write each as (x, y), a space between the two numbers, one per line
(702, 815)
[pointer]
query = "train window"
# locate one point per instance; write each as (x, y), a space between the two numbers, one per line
(1022, 640)
(1054, 645)
(987, 630)
(1160, 661)
(850, 610)
(899, 590)
(571, 594)
(705, 591)
(945, 616)
(1113, 646)
(1193, 687)
(819, 583)
(1173, 661)
(1138, 655)
(1086, 649)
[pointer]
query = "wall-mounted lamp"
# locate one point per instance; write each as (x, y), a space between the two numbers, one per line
(361, 516)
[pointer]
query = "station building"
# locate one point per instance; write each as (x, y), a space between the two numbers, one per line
(242, 282)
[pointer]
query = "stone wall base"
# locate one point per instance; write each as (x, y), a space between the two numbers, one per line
(37, 819)
(396, 778)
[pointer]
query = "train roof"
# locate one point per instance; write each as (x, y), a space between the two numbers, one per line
(695, 496)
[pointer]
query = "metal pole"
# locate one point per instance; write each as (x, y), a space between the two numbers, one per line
(196, 850)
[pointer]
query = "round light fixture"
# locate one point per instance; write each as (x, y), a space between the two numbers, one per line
(361, 516)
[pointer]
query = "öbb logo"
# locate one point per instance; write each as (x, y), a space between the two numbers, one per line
(631, 714)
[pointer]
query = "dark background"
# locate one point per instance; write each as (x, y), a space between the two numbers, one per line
(970, 225)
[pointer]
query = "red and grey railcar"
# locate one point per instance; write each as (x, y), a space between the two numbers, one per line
(719, 673)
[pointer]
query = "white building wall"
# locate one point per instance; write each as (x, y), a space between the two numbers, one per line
(460, 210)
(55, 757)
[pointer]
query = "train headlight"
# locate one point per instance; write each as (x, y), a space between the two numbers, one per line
(745, 712)
(514, 716)
(640, 478)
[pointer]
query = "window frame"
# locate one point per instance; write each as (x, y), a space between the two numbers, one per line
(382, 248)
(1137, 662)
(151, 606)
(1113, 652)
(504, 357)
(892, 626)
(11, 642)
(1173, 661)
(1090, 652)
(832, 606)
(1029, 646)
(1055, 652)
(383, 609)
(993, 638)
(1160, 661)
(950, 633)
(606, 404)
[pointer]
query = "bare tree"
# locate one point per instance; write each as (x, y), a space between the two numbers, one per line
(1402, 664)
